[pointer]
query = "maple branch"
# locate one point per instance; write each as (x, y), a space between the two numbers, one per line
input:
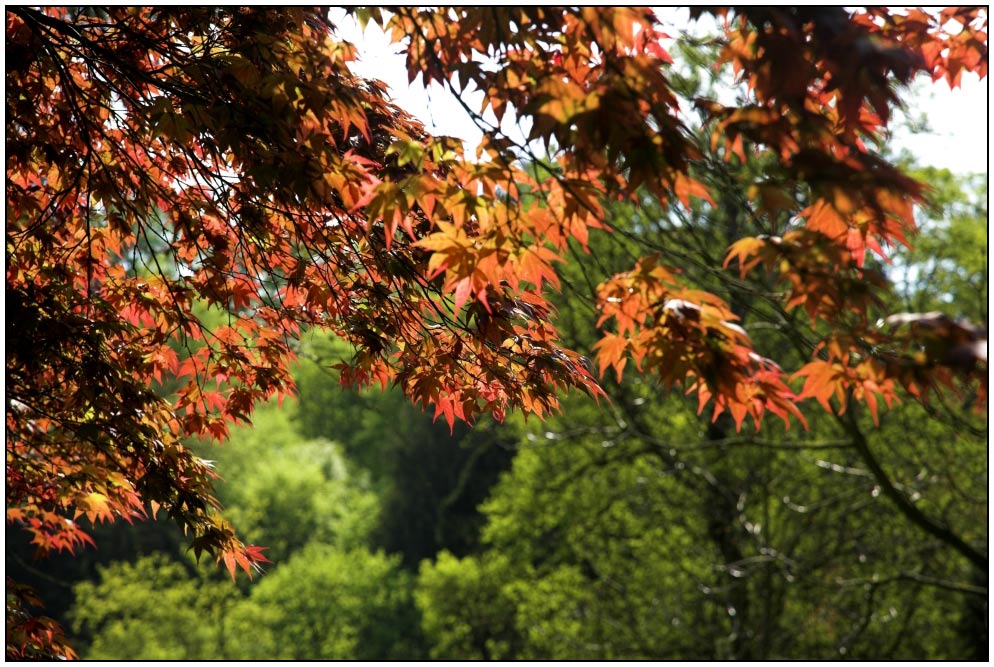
(903, 504)
(36, 571)
(113, 61)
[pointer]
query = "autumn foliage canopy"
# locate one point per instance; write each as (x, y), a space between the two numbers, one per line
(167, 163)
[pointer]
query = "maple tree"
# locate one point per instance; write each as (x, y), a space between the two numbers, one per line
(167, 163)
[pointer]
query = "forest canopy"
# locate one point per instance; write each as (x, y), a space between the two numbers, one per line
(196, 195)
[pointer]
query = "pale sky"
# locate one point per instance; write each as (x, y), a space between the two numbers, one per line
(958, 120)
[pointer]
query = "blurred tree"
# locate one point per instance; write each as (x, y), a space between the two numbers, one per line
(466, 612)
(325, 595)
(430, 478)
(293, 490)
(153, 609)
(326, 603)
(947, 269)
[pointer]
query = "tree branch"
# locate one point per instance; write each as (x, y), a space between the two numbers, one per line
(903, 504)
